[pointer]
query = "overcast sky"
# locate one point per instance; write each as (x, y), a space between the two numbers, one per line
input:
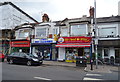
(61, 9)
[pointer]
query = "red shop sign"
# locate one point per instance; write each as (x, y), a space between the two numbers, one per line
(20, 44)
(80, 39)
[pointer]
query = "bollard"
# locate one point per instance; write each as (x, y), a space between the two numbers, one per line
(91, 64)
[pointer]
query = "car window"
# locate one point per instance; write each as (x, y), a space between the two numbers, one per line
(14, 54)
(11, 54)
(22, 54)
(32, 55)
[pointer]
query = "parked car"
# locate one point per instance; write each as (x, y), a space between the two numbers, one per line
(24, 58)
(2, 56)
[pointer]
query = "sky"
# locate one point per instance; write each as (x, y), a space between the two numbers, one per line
(61, 9)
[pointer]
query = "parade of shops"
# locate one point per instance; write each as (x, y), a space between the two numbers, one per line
(63, 40)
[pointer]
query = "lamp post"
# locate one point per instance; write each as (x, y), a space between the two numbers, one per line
(96, 36)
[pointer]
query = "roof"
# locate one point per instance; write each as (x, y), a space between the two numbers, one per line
(88, 19)
(25, 25)
(10, 3)
(108, 19)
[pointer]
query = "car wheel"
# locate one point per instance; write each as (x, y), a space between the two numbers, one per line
(11, 61)
(29, 63)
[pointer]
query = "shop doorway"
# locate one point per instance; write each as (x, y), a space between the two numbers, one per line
(45, 51)
(117, 55)
(80, 52)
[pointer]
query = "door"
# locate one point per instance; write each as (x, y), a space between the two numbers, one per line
(15, 57)
(117, 55)
(80, 52)
(23, 58)
(45, 51)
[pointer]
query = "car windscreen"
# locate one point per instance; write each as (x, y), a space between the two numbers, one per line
(32, 55)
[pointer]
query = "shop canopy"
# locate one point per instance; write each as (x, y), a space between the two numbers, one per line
(74, 45)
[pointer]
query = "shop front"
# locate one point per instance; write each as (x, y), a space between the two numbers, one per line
(45, 47)
(20, 46)
(71, 47)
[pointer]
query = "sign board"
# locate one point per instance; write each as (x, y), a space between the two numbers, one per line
(20, 44)
(43, 41)
(80, 39)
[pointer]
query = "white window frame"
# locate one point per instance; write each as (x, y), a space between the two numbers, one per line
(108, 29)
(66, 32)
(41, 28)
(56, 29)
(86, 30)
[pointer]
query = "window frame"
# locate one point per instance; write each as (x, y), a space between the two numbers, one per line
(46, 32)
(79, 27)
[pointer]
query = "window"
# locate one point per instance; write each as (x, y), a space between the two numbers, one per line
(23, 33)
(22, 54)
(106, 52)
(55, 31)
(107, 31)
(14, 54)
(41, 32)
(78, 29)
(64, 31)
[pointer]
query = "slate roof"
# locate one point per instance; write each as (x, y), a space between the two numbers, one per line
(13, 5)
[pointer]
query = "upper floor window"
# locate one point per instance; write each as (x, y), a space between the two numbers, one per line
(64, 31)
(107, 31)
(55, 31)
(41, 32)
(78, 29)
(24, 33)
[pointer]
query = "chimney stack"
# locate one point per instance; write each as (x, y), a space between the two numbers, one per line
(45, 18)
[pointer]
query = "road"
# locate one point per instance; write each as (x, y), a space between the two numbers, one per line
(50, 72)
(44, 72)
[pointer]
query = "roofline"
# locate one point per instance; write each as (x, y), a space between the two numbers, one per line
(10, 3)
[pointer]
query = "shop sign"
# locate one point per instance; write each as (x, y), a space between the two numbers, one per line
(80, 39)
(43, 41)
(20, 44)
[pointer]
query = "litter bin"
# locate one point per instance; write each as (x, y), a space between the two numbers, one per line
(81, 61)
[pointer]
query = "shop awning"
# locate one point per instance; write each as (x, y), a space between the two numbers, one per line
(74, 45)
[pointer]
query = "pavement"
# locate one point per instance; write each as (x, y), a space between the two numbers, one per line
(100, 68)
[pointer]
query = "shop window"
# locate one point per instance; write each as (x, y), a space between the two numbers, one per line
(117, 55)
(99, 53)
(106, 52)
(71, 54)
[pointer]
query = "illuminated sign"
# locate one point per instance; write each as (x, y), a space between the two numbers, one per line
(80, 39)
(43, 41)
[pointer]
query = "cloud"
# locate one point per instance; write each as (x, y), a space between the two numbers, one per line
(25, 0)
(60, 9)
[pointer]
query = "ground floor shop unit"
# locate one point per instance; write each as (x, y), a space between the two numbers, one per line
(71, 47)
(20, 46)
(45, 47)
(108, 49)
